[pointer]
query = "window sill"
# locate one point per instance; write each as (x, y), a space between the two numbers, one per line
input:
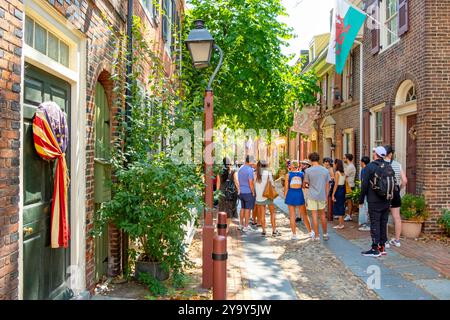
(390, 46)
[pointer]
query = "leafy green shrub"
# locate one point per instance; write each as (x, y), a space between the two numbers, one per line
(152, 202)
(155, 286)
(414, 208)
(444, 220)
(180, 280)
(356, 192)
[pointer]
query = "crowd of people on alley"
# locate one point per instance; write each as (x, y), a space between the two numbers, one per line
(320, 187)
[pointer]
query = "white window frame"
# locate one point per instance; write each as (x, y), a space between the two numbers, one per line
(345, 150)
(373, 124)
(150, 11)
(168, 43)
(383, 29)
(46, 15)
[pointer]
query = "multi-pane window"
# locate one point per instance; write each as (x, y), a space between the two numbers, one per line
(391, 21)
(39, 38)
(348, 141)
(152, 8)
(378, 128)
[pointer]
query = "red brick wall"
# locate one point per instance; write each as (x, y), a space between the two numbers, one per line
(422, 55)
(434, 110)
(346, 115)
(11, 18)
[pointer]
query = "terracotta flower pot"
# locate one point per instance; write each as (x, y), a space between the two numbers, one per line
(411, 229)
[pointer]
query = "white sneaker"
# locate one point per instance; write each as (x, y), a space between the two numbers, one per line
(387, 245)
(395, 242)
(347, 218)
(339, 226)
(364, 228)
(312, 234)
(246, 229)
(294, 237)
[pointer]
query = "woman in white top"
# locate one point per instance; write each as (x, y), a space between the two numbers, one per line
(263, 176)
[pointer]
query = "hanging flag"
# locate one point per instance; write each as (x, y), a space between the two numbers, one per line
(51, 136)
(347, 20)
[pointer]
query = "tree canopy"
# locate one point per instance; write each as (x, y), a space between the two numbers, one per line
(256, 87)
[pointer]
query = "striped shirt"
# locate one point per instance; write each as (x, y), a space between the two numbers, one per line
(397, 169)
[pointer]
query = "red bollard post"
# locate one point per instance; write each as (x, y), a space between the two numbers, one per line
(220, 257)
(207, 275)
(222, 224)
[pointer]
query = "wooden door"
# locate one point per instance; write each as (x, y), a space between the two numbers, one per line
(45, 269)
(411, 153)
(102, 175)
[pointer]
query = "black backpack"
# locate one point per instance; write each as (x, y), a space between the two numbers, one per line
(230, 188)
(383, 181)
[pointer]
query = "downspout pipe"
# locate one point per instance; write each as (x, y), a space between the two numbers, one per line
(129, 58)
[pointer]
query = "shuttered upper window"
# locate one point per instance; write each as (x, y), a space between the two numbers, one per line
(44, 41)
(390, 9)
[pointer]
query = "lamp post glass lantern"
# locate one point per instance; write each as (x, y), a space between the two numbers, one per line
(200, 44)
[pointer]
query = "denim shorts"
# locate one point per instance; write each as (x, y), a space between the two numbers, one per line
(247, 201)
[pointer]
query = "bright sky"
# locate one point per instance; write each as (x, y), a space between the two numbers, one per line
(308, 18)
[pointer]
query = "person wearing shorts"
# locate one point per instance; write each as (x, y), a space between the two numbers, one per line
(396, 202)
(294, 197)
(246, 192)
(263, 176)
(317, 180)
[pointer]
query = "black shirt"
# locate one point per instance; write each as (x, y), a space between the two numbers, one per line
(366, 189)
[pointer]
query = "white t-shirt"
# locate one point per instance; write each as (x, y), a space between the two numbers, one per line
(350, 172)
(261, 186)
(397, 167)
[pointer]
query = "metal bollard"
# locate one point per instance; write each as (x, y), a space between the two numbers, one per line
(220, 257)
(222, 224)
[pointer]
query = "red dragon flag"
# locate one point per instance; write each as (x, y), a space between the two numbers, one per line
(51, 135)
(347, 20)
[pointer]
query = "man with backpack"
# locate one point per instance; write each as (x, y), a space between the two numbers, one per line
(377, 186)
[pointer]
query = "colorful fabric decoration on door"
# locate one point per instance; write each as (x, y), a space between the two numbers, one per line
(51, 136)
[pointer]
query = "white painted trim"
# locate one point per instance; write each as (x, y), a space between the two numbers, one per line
(401, 114)
(373, 110)
(48, 64)
(21, 179)
(344, 140)
(46, 15)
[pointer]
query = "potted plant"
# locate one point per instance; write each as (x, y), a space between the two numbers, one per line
(354, 196)
(444, 220)
(413, 212)
(152, 202)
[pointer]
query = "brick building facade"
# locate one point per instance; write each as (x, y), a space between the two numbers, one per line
(336, 126)
(406, 94)
(67, 57)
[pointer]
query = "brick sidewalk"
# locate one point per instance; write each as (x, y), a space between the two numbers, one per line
(432, 253)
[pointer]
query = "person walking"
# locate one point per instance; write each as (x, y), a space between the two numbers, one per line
(401, 181)
(350, 173)
(228, 190)
(363, 219)
(338, 195)
(246, 192)
(376, 182)
(262, 178)
(317, 181)
(294, 198)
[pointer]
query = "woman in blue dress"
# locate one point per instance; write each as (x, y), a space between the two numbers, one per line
(294, 198)
(339, 193)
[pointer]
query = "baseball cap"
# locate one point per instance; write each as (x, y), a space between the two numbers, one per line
(381, 151)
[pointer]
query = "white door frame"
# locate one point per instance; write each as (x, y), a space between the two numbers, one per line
(401, 135)
(52, 20)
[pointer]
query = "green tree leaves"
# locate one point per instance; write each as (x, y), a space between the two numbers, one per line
(256, 87)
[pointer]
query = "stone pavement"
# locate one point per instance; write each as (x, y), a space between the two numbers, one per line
(401, 277)
(279, 268)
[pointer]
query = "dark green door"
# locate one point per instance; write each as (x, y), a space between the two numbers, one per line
(102, 175)
(44, 268)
